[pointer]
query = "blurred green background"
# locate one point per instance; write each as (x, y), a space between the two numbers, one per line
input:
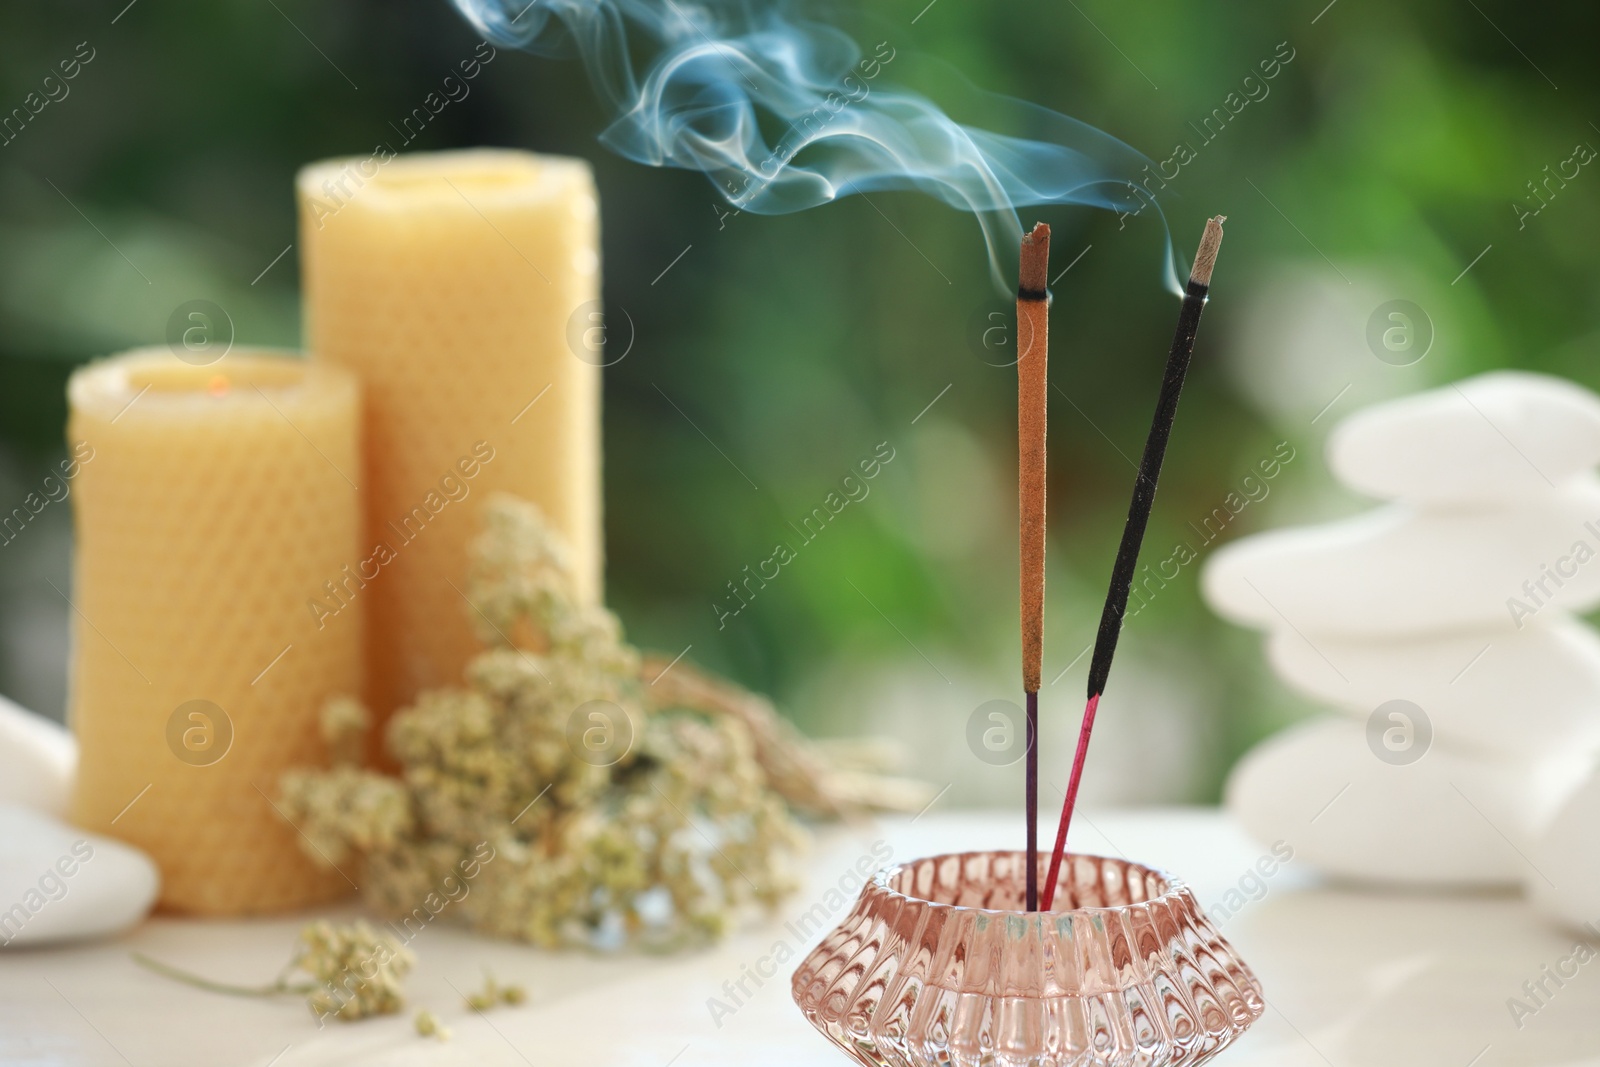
(1386, 155)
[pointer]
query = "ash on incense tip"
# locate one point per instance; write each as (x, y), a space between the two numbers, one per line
(1206, 258)
(1033, 277)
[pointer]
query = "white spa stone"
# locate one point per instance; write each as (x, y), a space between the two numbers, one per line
(59, 883)
(38, 759)
(1399, 569)
(1566, 881)
(1436, 822)
(1458, 598)
(1496, 436)
(1519, 693)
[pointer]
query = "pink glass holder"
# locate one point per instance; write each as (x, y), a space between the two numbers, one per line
(938, 966)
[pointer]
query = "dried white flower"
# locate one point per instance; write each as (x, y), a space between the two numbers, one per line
(584, 848)
(356, 972)
(428, 1025)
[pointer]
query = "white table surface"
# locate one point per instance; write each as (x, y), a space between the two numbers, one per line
(1353, 977)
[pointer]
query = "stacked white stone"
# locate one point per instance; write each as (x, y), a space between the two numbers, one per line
(1457, 596)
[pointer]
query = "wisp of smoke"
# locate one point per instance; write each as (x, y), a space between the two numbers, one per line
(696, 85)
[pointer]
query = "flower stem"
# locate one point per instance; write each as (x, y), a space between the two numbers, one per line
(277, 988)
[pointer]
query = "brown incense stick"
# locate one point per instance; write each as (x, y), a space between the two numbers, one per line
(1033, 305)
(1144, 498)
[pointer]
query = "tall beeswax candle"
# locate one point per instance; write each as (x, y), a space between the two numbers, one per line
(216, 499)
(449, 283)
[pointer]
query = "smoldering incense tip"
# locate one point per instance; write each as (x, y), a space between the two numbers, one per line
(1206, 258)
(1033, 280)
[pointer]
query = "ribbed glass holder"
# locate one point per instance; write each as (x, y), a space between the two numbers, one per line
(938, 966)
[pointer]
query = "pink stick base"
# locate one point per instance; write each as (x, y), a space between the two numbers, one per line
(1071, 800)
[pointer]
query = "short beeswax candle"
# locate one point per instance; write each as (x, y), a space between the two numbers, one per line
(217, 499)
(462, 289)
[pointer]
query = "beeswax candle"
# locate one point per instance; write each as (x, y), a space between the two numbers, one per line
(450, 284)
(218, 498)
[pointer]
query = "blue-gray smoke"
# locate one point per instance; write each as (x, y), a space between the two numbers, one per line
(696, 85)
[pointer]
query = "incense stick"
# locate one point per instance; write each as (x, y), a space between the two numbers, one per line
(1033, 306)
(1144, 495)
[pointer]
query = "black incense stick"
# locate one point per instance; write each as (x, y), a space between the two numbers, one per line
(1144, 497)
(1033, 306)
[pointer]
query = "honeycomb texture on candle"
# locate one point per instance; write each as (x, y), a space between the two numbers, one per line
(462, 289)
(211, 503)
